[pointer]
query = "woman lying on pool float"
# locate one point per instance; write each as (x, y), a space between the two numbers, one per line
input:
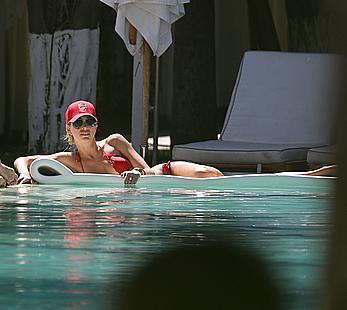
(113, 155)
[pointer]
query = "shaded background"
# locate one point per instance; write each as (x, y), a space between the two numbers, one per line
(197, 73)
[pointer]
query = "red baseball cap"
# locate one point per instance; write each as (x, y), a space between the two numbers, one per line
(78, 109)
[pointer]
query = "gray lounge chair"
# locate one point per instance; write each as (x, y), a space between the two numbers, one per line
(282, 105)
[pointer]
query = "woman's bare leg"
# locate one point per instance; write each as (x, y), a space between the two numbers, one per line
(324, 171)
(187, 169)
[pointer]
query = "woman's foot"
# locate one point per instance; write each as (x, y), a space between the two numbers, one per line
(2, 182)
(8, 174)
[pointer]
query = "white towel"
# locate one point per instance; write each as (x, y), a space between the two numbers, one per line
(151, 18)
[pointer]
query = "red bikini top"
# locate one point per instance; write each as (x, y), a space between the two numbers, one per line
(119, 163)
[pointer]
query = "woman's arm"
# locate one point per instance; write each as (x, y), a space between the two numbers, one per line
(125, 148)
(22, 165)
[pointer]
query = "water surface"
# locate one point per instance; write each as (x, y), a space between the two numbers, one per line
(69, 247)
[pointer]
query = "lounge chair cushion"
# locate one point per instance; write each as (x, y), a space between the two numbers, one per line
(284, 98)
(229, 152)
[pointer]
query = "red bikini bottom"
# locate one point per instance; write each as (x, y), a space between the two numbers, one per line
(166, 168)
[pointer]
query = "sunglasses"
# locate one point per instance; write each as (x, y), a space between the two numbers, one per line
(87, 121)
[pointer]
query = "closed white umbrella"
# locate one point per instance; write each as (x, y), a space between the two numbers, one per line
(144, 25)
(151, 18)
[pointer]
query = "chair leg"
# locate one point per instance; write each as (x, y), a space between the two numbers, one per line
(258, 168)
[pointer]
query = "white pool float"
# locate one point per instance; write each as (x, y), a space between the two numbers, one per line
(50, 171)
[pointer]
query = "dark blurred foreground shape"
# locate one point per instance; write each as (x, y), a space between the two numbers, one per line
(209, 276)
(335, 291)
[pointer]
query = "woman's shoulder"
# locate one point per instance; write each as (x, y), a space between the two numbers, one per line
(63, 156)
(115, 139)
(69, 159)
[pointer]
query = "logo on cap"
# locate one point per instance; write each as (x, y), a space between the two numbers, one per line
(82, 107)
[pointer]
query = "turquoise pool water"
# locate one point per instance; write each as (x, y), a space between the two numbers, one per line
(69, 247)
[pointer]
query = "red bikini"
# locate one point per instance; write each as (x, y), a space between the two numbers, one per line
(119, 163)
(166, 168)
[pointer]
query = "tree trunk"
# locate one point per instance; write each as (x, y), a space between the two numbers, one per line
(64, 46)
(194, 97)
(308, 30)
(261, 26)
(114, 78)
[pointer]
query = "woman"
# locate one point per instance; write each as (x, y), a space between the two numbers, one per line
(113, 155)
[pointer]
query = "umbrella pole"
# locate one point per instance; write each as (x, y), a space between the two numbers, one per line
(140, 100)
(145, 100)
(155, 114)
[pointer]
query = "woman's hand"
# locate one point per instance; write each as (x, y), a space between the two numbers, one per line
(131, 177)
(22, 165)
(24, 178)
